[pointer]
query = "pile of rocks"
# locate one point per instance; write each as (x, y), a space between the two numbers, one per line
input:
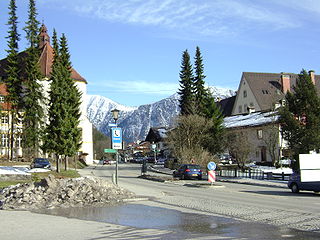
(52, 192)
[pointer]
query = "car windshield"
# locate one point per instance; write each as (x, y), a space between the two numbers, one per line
(41, 160)
(193, 166)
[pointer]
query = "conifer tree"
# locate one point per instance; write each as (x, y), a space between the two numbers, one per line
(13, 81)
(213, 112)
(200, 93)
(52, 139)
(186, 102)
(63, 134)
(33, 97)
(73, 101)
(300, 117)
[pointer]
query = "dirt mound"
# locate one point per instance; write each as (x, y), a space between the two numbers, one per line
(52, 192)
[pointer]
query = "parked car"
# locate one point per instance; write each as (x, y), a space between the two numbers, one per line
(188, 171)
(296, 185)
(41, 163)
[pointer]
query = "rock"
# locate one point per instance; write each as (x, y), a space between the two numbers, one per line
(52, 192)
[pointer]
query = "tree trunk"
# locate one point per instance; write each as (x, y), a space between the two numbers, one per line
(66, 163)
(58, 163)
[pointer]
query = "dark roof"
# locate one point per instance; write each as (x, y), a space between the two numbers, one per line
(267, 87)
(156, 134)
(226, 105)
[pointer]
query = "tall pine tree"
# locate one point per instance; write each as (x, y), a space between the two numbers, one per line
(72, 132)
(63, 135)
(33, 92)
(186, 102)
(13, 81)
(300, 117)
(200, 93)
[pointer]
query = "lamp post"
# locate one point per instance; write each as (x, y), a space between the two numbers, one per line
(115, 115)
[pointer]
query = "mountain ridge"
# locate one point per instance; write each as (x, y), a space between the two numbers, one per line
(136, 121)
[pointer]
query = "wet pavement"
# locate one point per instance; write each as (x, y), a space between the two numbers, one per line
(181, 225)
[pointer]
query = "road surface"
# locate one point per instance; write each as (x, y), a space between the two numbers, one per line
(276, 206)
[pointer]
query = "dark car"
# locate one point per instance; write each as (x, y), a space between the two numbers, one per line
(188, 171)
(41, 163)
(296, 185)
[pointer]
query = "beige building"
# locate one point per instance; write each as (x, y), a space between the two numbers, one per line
(251, 111)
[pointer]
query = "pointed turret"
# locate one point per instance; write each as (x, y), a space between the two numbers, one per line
(44, 37)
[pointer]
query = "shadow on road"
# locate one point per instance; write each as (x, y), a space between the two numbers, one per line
(286, 194)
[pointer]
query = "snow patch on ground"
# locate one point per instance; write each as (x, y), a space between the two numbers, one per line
(22, 170)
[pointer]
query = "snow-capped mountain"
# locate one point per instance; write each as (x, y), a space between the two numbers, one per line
(136, 121)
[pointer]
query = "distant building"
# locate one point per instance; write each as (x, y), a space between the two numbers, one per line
(45, 61)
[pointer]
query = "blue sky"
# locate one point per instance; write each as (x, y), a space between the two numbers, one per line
(130, 50)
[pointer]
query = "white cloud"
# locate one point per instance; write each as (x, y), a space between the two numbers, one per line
(203, 17)
(139, 87)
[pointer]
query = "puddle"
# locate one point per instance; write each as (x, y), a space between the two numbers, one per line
(181, 224)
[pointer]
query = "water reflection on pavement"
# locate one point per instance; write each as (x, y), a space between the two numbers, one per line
(182, 225)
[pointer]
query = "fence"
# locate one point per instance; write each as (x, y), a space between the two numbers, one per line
(253, 174)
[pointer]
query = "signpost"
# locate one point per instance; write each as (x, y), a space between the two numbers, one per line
(108, 150)
(211, 173)
(116, 135)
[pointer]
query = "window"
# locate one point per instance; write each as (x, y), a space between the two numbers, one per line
(1, 99)
(240, 109)
(4, 140)
(4, 119)
(244, 93)
(259, 133)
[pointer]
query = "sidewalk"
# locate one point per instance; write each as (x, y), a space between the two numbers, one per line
(160, 170)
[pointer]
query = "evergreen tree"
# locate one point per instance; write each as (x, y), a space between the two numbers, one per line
(63, 135)
(300, 117)
(13, 81)
(186, 102)
(33, 97)
(200, 93)
(53, 143)
(211, 111)
(73, 101)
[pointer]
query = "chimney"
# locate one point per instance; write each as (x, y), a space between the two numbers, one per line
(311, 74)
(285, 82)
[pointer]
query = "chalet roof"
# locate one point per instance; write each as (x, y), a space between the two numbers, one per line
(226, 105)
(157, 134)
(267, 87)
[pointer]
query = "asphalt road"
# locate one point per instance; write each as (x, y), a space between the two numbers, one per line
(263, 212)
(276, 206)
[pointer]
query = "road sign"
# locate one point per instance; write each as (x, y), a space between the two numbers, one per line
(112, 125)
(116, 135)
(108, 150)
(212, 166)
(211, 176)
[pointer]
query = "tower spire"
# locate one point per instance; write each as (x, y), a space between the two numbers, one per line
(44, 37)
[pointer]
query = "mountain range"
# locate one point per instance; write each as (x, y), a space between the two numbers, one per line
(136, 121)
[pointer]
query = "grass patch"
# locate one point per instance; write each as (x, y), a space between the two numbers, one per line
(9, 183)
(36, 177)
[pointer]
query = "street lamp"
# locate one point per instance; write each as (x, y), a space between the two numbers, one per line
(115, 115)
